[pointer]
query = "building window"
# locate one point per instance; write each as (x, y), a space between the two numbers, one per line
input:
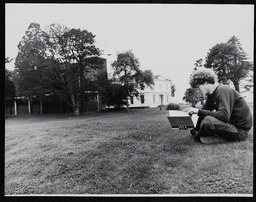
(154, 97)
(161, 99)
(167, 98)
(142, 99)
(131, 99)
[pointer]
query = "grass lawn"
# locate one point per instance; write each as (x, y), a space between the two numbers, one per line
(119, 153)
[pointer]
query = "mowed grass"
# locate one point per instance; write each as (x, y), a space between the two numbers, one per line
(119, 153)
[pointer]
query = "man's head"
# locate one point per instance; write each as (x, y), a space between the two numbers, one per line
(204, 79)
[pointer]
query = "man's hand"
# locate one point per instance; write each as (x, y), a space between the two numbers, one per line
(191, 110)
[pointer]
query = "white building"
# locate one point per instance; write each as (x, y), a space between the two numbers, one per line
(159, 94)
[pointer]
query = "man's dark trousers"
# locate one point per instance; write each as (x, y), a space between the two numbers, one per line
(210, 126)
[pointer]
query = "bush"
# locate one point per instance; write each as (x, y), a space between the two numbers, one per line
(173, 106)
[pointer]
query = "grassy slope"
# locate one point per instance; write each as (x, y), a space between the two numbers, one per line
(134, 153)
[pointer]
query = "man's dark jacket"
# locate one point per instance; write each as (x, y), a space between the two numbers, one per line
(230, 107)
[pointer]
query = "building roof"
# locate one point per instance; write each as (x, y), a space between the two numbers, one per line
(159, 77)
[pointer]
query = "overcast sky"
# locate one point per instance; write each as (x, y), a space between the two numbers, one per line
(166, 38)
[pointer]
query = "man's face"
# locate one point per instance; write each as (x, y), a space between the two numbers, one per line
(205, 89)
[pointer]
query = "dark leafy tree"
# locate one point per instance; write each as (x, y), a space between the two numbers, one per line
(248, 83)
(57, 61)
(114, 94)
(229, 61)
(193, 96)
(31, 73)
(9, 85)
(173, 90)
(75, 57)
(127, 70)
(198, 64)
(10, 89)
(143, 79)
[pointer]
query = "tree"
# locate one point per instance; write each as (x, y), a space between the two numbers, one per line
(33, 76)
(127, 69)
(173, 89)
(114, 94)
(229, 61)
(143, 79)
(74, 55)
(193, 96)
(9, 85)
(248, 82)
(56, 61)
(10, 89)
(198, 64)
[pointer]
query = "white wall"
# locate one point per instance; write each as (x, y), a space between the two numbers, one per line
(162, 88)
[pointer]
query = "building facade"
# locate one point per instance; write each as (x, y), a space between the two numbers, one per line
(159, 94)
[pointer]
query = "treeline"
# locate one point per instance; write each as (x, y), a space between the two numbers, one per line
(230, 63)
(65, 63)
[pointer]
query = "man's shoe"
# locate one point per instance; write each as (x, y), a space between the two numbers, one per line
(197, 139)
(194, 132)
(212, 140)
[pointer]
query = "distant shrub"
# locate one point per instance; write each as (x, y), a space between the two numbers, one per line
(173, 106)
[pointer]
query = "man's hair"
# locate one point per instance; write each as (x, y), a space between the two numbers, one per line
(201, 76)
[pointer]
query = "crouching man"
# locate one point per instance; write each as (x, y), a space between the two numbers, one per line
(225, 115)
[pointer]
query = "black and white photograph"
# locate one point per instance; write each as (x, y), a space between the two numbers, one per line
(128, 99)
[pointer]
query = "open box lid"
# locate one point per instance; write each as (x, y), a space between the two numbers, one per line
(178, 118)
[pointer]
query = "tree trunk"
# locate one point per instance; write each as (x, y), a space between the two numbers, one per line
(41, 107)
(15, 107)
(29, 106)
(75, 104)
(236, 85)
(76, 111)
